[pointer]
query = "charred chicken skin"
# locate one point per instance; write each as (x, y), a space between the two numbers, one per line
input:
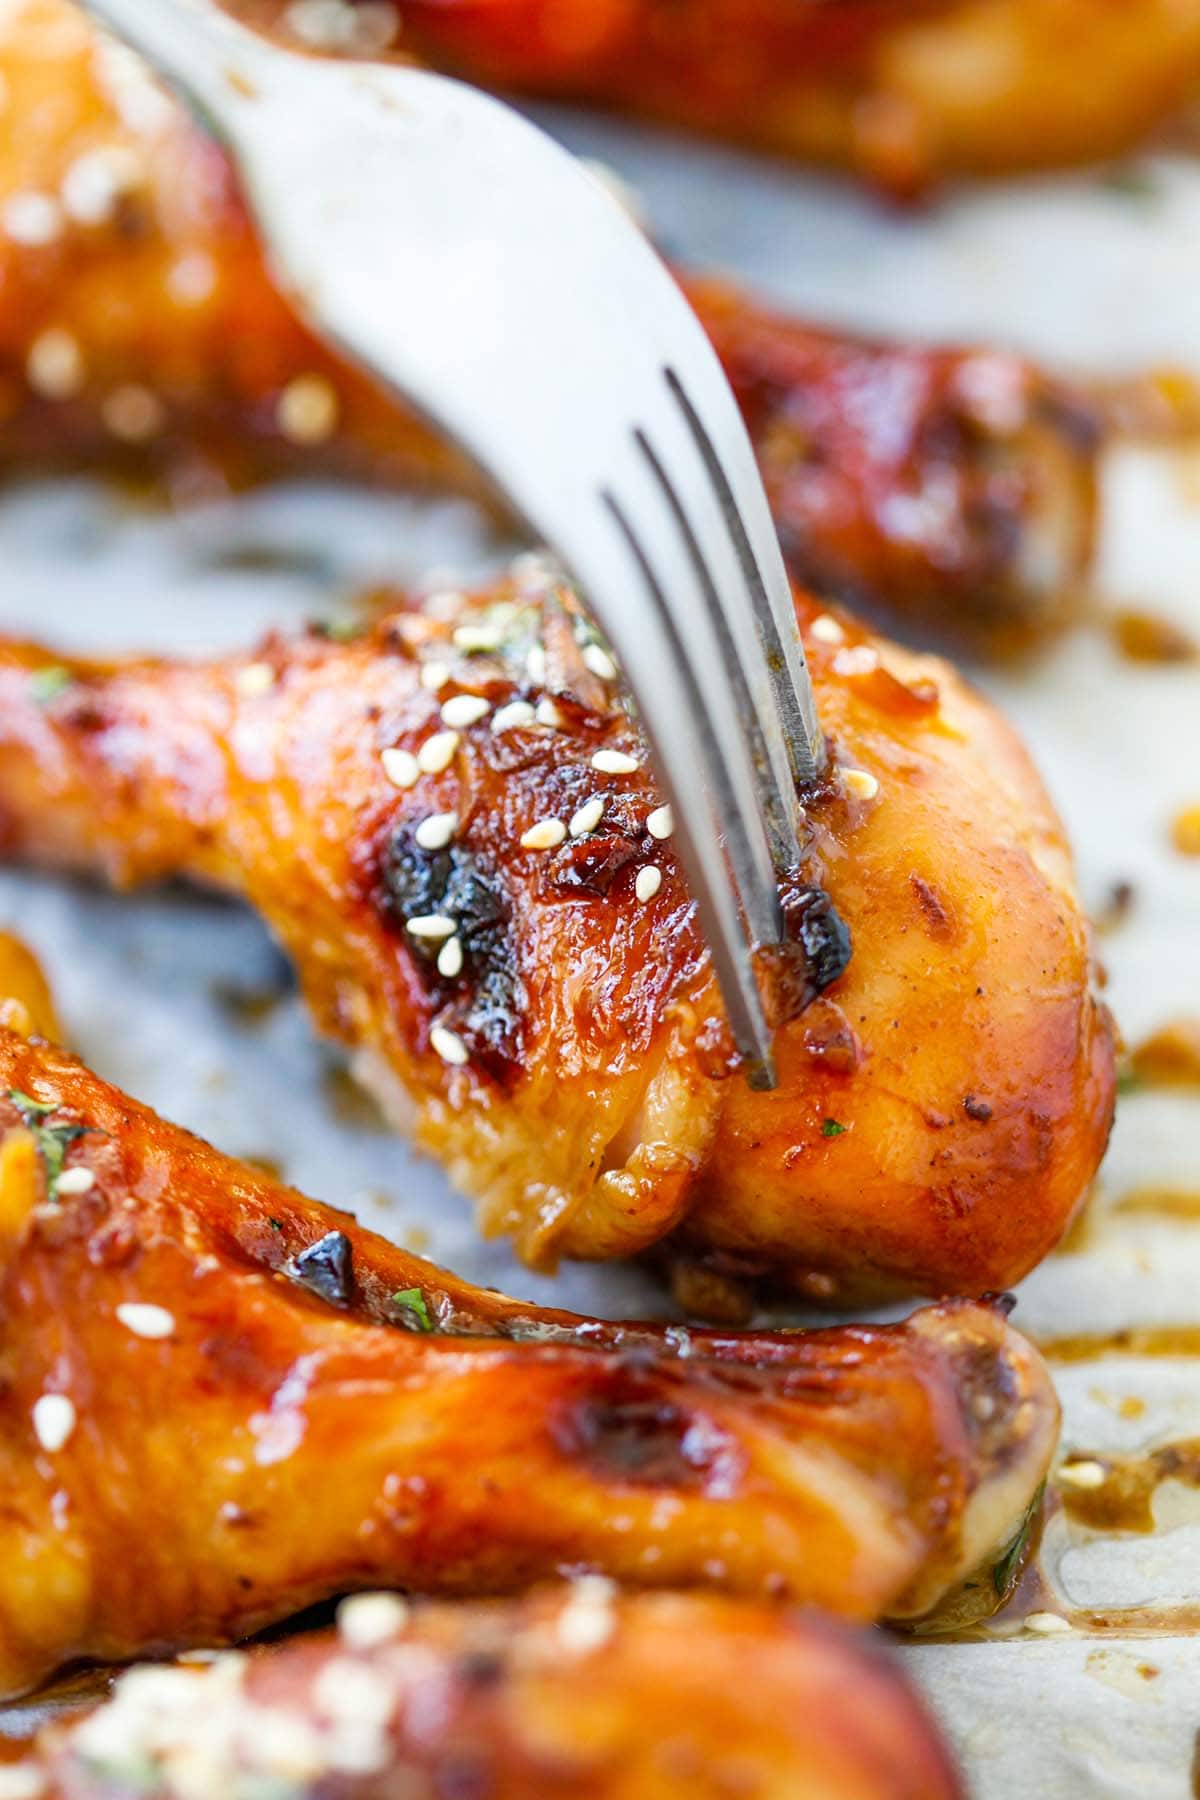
(899, 91)
(573, 1694)
(450, 826)
(222, 1402)
(139, 325)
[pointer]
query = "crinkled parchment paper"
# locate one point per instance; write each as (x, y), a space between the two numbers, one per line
(1093, 276)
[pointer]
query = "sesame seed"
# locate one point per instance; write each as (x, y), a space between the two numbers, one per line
(648, 882)
(443, 602)
(449, 1046)
(79, 1180)
(450, 958)
(32, 218)
(535, 664)
(533, 570)
(826, 630)
(435, 832)
(133, 414)
(145, 1320)
(140, 100)
(321, 24)
(53, 1421)
(375, 27)
(464, 710)
(597, 659)
(860, 659)
(433, 926)
(1047, 1624)
(254, 679)
(475, 639)
(307, 411)
(588, 1620)
(97, 180)
(437, 752)
(514, 716)
(547, 834)
(192, 279)
(434, 676)
(401, 768)
(859, 783)
(353, 1694)
(54, 365)
(661, 823)
(615, 762)
(367, 1620)
(548, 714)
(22, 1781)
(1085, 1474)
(587, 818)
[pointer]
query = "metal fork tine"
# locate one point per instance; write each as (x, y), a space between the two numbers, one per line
(390, 198)
(759, 723)
(715, 738)
(777, 638)
(701, 850)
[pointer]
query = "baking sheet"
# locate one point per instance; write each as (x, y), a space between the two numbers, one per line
(1090, 274)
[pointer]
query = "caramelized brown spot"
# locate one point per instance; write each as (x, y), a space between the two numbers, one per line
(937, 916)
(830, 1039)
(631, 1428)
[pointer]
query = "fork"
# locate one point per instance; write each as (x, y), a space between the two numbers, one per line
(465, 259)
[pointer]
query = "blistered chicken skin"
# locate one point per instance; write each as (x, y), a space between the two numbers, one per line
(451, 827)
(139, 327)
(576, 1694)
(902, 92)
(223, 1402)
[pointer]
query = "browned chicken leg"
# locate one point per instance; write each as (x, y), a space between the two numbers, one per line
(450, 826)
(138, 321)
(575, 1694)
(901, 91)
(222, 1402)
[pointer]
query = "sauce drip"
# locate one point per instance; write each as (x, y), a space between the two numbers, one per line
(1170, 1057)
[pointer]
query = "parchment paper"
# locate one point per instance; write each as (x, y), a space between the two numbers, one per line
(1090, 274)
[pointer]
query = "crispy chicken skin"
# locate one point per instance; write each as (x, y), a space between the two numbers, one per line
(145, 329)
(899, 91)
(269, 1406)
(572, 1694)
(945, 1091)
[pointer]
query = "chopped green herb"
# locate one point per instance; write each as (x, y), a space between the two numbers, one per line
(1005, 1572)
(275, 1224)
(1128, 1081)
(833, 1128)
(339, 629)
(29, 1108)
(411, 1301)
(52, 1140)
(47, 684)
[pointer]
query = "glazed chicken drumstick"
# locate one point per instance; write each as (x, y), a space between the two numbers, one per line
(577, 1694)
(139, 324)
(900, 91)
(451, 828)
(223, 1402)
